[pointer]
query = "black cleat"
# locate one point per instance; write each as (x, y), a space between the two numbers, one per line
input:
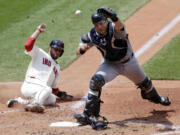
(11, 102)
(81, 118)
(165, 101)
(97, 123)
(154, 97)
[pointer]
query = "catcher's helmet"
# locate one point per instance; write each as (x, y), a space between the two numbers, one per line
(97, 18)
(57, 44)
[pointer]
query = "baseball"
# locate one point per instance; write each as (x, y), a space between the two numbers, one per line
(78, 12)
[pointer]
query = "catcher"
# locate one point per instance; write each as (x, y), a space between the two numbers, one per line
(111, 39)
(41, 82)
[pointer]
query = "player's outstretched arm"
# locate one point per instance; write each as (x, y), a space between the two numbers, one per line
(31, 40)
(40, 29)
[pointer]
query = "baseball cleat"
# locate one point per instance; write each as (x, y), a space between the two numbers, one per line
(97, 123)
(11, 102)
(81, 118)
(34, 108)
(165, 101)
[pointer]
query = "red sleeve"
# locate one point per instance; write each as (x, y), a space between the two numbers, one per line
(54, 91)
(29, 44)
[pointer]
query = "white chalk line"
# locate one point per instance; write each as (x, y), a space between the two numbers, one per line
(176, 129)
(141, 50)
(169, 133)
(158, 35)
(10, 111)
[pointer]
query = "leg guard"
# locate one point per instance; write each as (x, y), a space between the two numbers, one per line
(93, 101)
(92, 108)
(91, 114)
(149, 92)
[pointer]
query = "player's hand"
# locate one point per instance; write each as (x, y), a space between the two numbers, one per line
(85, 47)
(82, 49)
(41, 28)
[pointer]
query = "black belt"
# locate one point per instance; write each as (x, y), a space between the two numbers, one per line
(125, 61)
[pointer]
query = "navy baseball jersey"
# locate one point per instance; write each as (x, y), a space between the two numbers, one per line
(115, 46)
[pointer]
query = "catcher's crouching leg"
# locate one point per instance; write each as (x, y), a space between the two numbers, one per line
(91, 116)
(92, 108)
(149, 92)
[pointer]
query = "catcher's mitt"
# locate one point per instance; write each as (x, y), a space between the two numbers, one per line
(108, 13)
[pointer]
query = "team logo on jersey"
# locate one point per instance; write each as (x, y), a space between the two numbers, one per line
(103, 41)
(46, 62)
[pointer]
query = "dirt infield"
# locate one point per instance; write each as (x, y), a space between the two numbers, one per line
(127, 113)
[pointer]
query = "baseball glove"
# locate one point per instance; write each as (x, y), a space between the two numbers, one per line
(108, 13)
(64, 96)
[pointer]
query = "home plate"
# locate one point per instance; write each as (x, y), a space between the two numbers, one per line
(64, 124)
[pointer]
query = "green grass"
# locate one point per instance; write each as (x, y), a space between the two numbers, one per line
(165, 65)
(19, 18)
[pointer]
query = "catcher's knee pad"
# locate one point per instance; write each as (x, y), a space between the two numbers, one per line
(96, 83)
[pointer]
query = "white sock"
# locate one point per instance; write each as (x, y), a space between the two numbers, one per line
(22, 101)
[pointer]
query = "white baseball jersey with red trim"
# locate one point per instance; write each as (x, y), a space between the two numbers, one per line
(42, 69)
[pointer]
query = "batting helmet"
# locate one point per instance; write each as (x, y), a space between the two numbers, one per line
(97, 18)
(57, 44)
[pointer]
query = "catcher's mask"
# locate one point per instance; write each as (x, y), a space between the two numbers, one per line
(57, 44)
(97, 18)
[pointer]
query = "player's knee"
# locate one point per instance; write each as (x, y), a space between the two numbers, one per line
(96, 83)
(51, 100)
(42, 95)
(146, 84)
